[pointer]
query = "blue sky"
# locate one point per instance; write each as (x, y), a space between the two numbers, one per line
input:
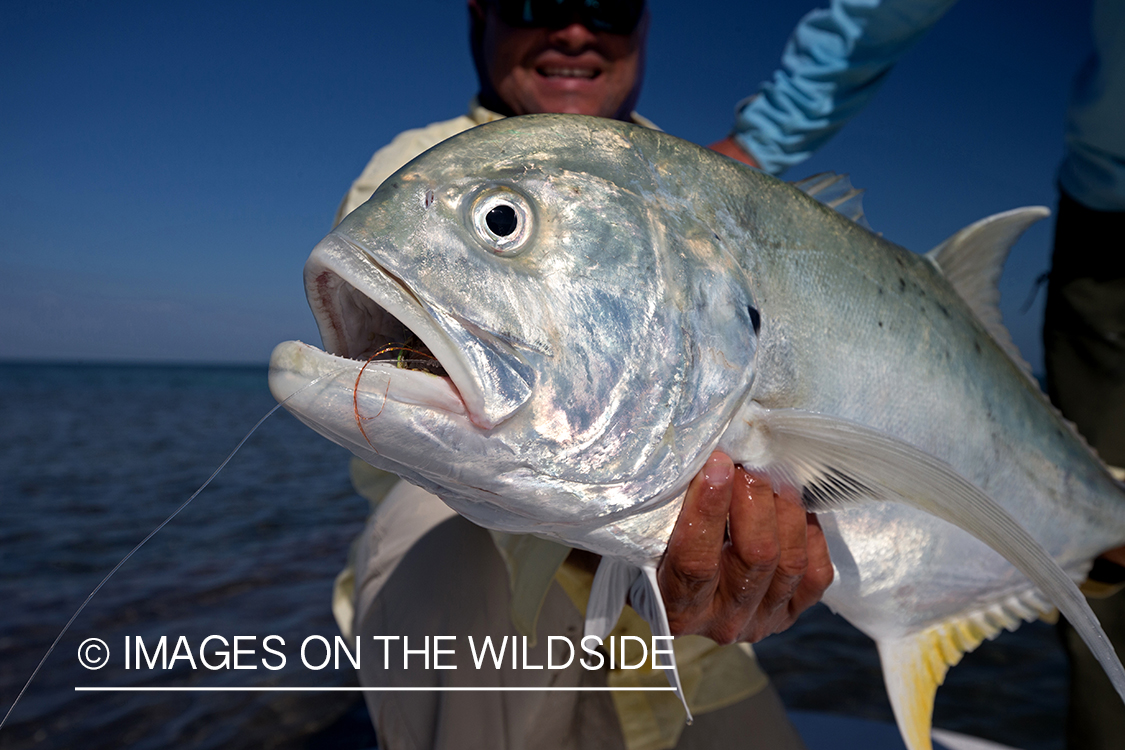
(165, 168)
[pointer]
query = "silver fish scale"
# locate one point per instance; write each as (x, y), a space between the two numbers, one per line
(667, 301)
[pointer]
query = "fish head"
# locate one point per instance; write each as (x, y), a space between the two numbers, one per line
(530, 323)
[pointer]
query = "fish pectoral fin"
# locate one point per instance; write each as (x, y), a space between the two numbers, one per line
(838, 463)
(617, 580)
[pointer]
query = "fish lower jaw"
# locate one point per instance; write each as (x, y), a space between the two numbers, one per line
(296, 367)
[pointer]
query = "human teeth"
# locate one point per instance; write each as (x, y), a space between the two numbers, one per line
(569, 72)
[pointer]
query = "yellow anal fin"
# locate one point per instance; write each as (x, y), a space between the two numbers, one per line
(915, 665)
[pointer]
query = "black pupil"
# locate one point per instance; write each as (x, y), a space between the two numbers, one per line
(501, 220)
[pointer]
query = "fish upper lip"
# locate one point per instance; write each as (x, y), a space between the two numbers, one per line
(361, 308)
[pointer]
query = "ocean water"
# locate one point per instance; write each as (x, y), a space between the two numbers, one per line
(93, 457)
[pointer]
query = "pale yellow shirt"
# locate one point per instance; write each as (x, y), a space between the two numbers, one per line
(713, 676)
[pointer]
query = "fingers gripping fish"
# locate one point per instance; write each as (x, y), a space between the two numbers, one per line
(608, 304)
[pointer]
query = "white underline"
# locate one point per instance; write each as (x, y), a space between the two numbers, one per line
(363, 689)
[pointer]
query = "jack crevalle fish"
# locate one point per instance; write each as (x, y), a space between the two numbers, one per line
(597, 306)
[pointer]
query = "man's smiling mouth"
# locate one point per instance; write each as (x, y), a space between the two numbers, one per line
(556, 71)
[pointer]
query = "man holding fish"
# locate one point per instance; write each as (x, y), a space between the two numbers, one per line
(742, 562)
(554, 398)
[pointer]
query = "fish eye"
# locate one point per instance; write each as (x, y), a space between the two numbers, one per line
(502, 219)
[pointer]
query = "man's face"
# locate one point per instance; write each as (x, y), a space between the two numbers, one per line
(570, 70)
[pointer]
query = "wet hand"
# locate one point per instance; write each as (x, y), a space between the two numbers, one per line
(753, 581)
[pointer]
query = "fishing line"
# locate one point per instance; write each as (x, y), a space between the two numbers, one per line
(153, 533)
(401, 361)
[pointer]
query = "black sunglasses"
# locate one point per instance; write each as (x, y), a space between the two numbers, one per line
(611, 16)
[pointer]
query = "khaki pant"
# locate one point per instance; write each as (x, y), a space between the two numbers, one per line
(421, 570)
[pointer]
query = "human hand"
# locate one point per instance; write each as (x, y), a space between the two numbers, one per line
(729, 147)
(1115, 556)
(773, 565)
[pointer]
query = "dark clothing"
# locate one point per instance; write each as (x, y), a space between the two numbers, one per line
(1084, 342)
(1084, 326)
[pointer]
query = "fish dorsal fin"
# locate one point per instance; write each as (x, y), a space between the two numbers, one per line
(972, 261)
(616, 580)
(836, 192)
(840, 464)
(914, 665)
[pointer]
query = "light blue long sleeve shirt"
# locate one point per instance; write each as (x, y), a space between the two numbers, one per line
(837, 58)
(1093, 170)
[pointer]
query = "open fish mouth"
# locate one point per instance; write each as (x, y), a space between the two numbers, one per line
(370, 316)
(410, 354)
(366, 332)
